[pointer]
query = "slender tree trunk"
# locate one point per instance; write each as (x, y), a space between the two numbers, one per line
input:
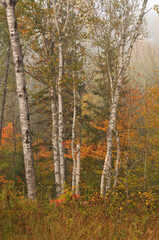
(60, 117)
(78, 169)
(55, 140)
(107, 164)
(4, 92)
(117, 158)
(106, 174)
(116, 131)
(14, 137)
(22, 97)
(73, 141)
(61, 30)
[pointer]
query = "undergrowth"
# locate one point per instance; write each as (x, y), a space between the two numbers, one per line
(74, 217)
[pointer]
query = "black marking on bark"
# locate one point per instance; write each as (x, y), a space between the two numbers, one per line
(52, 47)
(19, 62)
(27, 136)
(20, 47)
(28, 116)
(20, 95)
(24, 89)
(5, 4)
(13, 3)
(15, 25)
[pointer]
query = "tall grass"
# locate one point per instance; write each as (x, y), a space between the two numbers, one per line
(114, 218)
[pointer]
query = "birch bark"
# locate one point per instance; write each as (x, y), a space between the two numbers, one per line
(117, 158)
(61, 28)
(73, 142)
(107, 164)
(60, 107)
(14, 136)
(78, 169)
(55, 140)
(22, 98)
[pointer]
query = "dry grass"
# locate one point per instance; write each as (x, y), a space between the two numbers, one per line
(76, 219)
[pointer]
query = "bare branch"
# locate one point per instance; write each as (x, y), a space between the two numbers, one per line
(67, 16)
(56, 17)
(111, 80)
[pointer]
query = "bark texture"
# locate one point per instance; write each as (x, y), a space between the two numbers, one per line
(22, 98)
(108, 159)
(117, 158)
(14, 136)
(60, 24)
(55, 140)
(73, 142)
(61, 127)
(78, 169)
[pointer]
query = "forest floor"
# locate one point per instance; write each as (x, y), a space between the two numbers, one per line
(74, 218)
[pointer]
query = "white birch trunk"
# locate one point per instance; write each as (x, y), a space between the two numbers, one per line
(57, 7)
(55, 141)
(78, 169)
(73, 142)
(14, 137)
(107, 164)
(60, 122)
(116, 131)
(22, 97)
(117, 158)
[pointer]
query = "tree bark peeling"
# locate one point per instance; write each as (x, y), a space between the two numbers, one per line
(22, 98)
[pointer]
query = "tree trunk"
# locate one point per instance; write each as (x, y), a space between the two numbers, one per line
(60, 108)
(61, 28)
(14, 137)
(55, 141)
(22, 98)
(4, 92)
(78, 169)
(73, 142)
(117, 158)
(108, 161)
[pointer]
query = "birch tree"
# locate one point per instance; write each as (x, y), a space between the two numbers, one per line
(22, 98)
(73, 141)
(61, 22)
(78, 169)
(117, 158)
(76, 159)
(55, 140)
(125, 47)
